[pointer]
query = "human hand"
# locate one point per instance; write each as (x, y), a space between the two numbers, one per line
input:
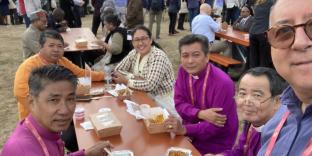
(119, 78)
(174, 125)
(211, 115)
(224, 26)
(98, 149)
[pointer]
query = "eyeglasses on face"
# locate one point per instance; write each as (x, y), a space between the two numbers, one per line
(283, 36)
(253, 99)
(141, 39)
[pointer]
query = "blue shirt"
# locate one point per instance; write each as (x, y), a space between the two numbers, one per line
(203, 24)
(296, 132)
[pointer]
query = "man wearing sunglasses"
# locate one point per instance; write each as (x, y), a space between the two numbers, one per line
(289, 132)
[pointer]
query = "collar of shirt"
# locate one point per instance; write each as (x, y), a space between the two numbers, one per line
(34, 28)
(140, 63)
(44, 133)
(290, 99)
(246, 18)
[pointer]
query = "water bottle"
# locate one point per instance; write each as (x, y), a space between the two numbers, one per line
(108, 77)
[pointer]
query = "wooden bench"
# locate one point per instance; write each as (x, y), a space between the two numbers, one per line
(223, 61)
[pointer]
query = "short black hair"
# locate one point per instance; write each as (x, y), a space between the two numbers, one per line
(141, 27)
(58, 14)
(277, 83)
(44, 75)
(49, 33)
(250, 9)
(195, 38)
(112, 19)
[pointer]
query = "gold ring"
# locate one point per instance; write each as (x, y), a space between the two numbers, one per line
(170, 126)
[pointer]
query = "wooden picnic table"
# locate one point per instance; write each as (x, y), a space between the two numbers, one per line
(74, 53)
(77, 33)
(235, 36)
(134, 135)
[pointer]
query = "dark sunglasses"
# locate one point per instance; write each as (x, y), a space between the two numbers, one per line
(283, 36)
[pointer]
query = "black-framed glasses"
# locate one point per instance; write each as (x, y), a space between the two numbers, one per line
(283, 36)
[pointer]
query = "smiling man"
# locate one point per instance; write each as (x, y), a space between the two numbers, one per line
(204, 99)
(290, 36)
(51, 52)
(52, 103)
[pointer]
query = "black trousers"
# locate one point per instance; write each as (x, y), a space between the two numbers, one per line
(260, 51)
(172, 23)
(96, 21)
(181, 20)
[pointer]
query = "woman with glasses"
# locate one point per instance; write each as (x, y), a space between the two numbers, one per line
(259, 47)
(257, 98)
(148, 69)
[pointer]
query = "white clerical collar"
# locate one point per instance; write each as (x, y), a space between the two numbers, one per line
(246, 18)
(195, 77)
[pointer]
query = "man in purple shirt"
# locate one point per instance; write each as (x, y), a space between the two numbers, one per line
(52, 104)
(258, 99)
(204, 98)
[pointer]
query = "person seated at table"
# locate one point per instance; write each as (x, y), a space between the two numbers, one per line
(243, 23)
(116, 44)
(258, 99)
(30, 38)
(149, 69)
(205, 25)
(52, 104)
(56, 20)
(51, 52)
(204, 98)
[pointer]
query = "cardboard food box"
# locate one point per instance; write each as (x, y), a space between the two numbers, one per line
(105, 124)
(81, 43)
(154, 122)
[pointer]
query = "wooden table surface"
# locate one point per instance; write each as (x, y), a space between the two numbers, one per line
(234, 36)
(76, 33)
(134, 135)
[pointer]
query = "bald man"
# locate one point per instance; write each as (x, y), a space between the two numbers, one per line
(203, 24)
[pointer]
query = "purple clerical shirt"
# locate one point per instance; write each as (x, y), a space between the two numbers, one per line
(205, 136)
(246, 147)
(23, 143)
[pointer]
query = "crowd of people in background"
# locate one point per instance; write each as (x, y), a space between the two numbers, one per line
(273, 95)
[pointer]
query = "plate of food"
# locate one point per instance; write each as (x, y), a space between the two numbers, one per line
(122, 153)
(121, 91)
(177, 151)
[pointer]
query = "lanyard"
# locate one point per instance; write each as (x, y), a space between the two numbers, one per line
(204, 88)
(246, 146)
(306, 152)
(60, 143)
(37, 136)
